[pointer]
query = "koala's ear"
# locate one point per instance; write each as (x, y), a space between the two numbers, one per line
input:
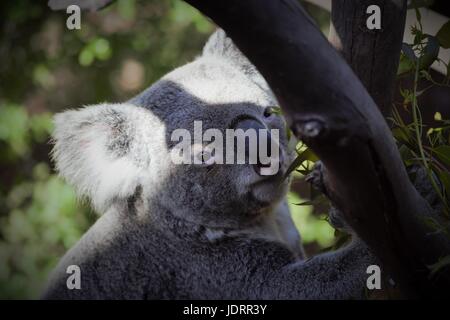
(221, 46)
(103, 150)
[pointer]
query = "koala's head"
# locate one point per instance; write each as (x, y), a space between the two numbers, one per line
(109, 151)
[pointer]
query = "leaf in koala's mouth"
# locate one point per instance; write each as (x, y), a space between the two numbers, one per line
(294, 165)
(307, 154)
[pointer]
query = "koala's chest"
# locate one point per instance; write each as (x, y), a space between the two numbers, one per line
(227, 270)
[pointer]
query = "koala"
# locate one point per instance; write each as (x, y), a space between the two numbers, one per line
(189, 231)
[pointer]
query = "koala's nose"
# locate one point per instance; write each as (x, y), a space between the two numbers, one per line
(263, 140)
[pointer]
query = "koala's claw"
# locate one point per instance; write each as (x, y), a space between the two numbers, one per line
(337, 220)
(315, 177)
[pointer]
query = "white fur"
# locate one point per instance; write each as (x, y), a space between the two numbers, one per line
(81, 138)
(226, 87)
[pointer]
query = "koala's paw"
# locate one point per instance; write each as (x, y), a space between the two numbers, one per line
(316, 177)
(337, 220)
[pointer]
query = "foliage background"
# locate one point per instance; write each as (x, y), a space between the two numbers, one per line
(46, 68)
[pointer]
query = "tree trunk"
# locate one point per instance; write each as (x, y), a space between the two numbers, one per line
(372, 54)
(330, 110)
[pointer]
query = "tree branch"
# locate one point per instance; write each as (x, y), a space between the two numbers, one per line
(329, 109)
(373, 54)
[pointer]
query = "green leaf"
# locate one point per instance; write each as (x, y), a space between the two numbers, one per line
(407, 59)
(437, 116)
(443, 35)
(306, 203)
(443, 153)
(294, 165)
(307, 154)
(419, 36)
(432, 223)
(406, 155)
(274, 110)
(444, 176)
(401, 134)
(425, 74)
(442, 263)
(418, 15)
(431, 52)
(310, 155)
(409, 52)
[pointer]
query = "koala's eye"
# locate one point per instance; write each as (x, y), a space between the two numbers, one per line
(269, 111)
(205, 157)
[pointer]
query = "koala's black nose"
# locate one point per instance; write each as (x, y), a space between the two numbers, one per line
(252, 128)
(248, 123)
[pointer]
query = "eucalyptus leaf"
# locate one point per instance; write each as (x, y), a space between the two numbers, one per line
(306, 203)
(294, 165)
(431, 52)
(438, 266)
(408, 51)
(444, 176)
(443, 153)
(307, 154)
(407, 59)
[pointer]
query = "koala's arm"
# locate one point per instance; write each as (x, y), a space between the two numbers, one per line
(339, 274)
(287, 229)
(335, 275)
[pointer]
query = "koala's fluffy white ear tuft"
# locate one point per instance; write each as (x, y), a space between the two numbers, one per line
(219, 45)
(103, 150)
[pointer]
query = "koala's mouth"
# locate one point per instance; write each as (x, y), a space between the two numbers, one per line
(266, 171)
(274, 168)
(273, 179)
(269, 190)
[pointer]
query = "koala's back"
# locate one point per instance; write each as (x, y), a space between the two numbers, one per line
(111, 261)
(123, 258)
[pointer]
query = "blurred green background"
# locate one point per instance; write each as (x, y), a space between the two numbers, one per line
(46, 68)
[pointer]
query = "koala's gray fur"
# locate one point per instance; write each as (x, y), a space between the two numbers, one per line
(188, 231)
